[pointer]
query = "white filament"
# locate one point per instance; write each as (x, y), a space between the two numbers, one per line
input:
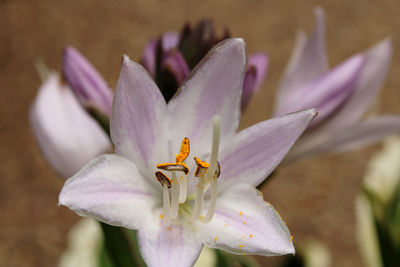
(174, 196)
(167, 207)
(198, 202)
(183, 189)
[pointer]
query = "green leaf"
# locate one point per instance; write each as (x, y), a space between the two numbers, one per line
(225, 259)
(118, 247)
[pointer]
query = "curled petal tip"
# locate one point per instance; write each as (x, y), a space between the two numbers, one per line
(125, 59)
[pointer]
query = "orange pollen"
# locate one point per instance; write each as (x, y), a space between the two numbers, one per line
(169, 229)
(162, 216)
(201, 163)
(184, 152)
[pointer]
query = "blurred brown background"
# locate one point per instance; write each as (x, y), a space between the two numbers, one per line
(315, 196)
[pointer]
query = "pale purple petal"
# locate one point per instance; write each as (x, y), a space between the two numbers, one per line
(175, 63)
(87, 83)
(367, 88)
(244, 223)
(137, 116)
(149, 57)
(68, 137)
(367, 132)
(112, 190)
(255, 152)
(307, 62)
(327, 93)
(213, 88)
(169, 41)
(175, 245)
(257, 66)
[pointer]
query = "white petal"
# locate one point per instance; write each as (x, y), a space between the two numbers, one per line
(255, 152)
(112, 190)
(68, 137)
(137, 116)
(213, 88)
(175, 245)
(244, 223)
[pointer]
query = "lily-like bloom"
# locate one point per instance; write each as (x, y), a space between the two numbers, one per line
(170, 59)
(88, 85)
(181, 174)
(68, 137)
(341, 95)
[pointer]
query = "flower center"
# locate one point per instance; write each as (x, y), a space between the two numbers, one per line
(207, 174)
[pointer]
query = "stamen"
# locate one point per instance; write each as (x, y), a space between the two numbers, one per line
(182, 167)
(184, 152)
(214, 170)
(166, 183)
(163, 179)
(201, 168)
(167, 208)
(205, 172)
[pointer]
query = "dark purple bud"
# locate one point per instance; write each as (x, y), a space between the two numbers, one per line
(149, 57)
(257, 67)
(176, 65)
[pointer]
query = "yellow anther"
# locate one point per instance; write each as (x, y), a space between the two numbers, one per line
(181, 167)
(162, 216)
(251, 236)
(185, 150)
(201, 168)
(240, 246)
(241, 213)
(215, 239)
(201, 163)
(163, 179)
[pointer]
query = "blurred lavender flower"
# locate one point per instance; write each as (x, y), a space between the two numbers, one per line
(88, 85)
(66, 134)
(341, 95)
(121, 189)
(170, 59)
